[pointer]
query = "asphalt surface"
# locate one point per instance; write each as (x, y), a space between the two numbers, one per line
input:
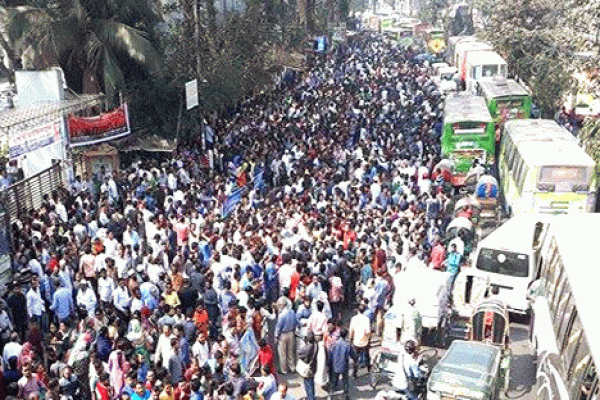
(522, 374)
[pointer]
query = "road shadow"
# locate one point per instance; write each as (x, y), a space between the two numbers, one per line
(519, 333)
(522, 375)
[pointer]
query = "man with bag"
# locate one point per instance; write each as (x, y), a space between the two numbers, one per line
(307, 364)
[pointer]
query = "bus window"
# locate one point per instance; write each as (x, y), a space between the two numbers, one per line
(562, 301)
(489, 70)
(536, 234)
(566, 324)
(522, 176)
(571, 341)
(555, 287)
(589, 388)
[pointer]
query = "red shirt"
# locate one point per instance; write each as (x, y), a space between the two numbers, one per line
(265, 357)
(349, 236)
(438, 255)
(295, 281)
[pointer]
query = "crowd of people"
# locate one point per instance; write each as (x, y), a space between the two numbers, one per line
(194, 277)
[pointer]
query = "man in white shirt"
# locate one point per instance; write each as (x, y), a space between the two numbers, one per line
(35, 305)
(201, 350)
(317, 322)
(106, 286)
(163, 347)
(360, 335)
(110, 245)
(86, 298)
(121, 297)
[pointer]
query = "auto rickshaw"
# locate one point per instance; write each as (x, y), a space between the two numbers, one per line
(478, 368)
(468, 291)
(487, 194)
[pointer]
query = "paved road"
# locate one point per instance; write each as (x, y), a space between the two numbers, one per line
(522, 374)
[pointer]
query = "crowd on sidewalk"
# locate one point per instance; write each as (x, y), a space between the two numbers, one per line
(192, 278)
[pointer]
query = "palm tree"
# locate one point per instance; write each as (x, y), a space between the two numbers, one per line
(98, 43)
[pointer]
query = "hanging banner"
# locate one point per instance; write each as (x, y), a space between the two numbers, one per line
(107, 126)
(191, 94)
(32, 135)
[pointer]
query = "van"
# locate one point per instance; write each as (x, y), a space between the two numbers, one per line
(509, 259)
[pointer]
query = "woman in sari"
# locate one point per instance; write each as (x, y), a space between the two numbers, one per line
(248, 350)
(118, 367)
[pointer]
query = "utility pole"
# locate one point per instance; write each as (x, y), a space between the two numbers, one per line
(198, 47)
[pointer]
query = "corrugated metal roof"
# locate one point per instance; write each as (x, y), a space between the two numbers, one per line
(23, 114)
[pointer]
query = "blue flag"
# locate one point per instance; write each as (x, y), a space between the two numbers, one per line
(232, 200)
(259, 179)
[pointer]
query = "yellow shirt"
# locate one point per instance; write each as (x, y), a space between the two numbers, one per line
(172, 299)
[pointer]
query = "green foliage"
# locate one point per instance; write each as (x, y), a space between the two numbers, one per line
(540, 40)
(94, 41)
(590, 140)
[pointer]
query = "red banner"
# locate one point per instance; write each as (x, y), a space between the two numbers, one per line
(107, 126)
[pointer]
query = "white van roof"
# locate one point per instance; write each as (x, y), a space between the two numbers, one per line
(515, 235)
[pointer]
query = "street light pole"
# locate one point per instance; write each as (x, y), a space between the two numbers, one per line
(197, 35)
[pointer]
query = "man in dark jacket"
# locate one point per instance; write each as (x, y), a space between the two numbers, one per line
(308, 354)
(341, 352)
(103, 344)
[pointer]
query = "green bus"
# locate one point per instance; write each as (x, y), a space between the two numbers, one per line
(468, 132)
(506, 99)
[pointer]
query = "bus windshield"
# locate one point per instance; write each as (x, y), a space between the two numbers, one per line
(503, 262)
(469, 128)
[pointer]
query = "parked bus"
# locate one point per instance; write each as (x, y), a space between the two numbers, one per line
(468, 132)
(482, 66)
(564, 328)
(543, 170)
(508, 259)
(506, 99)
(462, 49)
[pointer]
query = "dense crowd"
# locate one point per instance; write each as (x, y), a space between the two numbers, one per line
(193, 278)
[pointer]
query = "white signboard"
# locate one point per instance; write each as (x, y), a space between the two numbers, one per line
(191, 94)
(32, 135)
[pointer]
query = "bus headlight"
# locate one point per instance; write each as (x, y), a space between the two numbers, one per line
(546, 187)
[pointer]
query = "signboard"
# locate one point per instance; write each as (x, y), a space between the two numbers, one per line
(32, 135)
(108, 126)
(191, 94)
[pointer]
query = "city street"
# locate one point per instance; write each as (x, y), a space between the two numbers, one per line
(522, 373)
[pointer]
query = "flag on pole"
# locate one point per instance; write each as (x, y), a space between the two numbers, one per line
(259, 179)
(232, 200)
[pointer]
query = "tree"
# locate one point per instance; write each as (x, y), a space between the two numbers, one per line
(98, 43)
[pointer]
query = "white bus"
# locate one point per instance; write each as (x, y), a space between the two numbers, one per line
(565, 328)
(543, 170)
(508, 259)
(482, 66)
